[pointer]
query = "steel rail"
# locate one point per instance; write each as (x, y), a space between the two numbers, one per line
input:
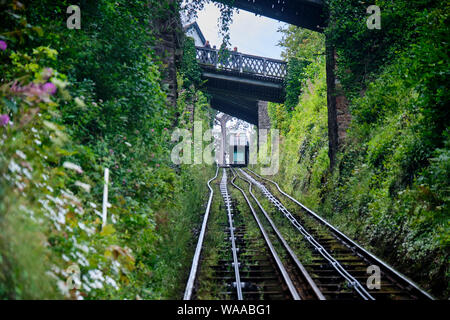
(198, 249)
(227, 199)
(352, 244)
(269, 244)
(317, 246)
(288, 248)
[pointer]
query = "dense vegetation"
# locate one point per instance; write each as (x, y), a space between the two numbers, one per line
(390, 188)
(73, 102)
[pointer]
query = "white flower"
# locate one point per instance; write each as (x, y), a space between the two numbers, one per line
(80, 102)
(63, 288)
(13, 167)
(86, 287)
(82, 247)
(59, 83)
(27, 173)
(111, 282)
(21, 154)
(72, 166)
(89, 231)
(98, 213)
(84, 186)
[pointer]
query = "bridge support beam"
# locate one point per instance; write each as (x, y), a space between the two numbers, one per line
(331, 104)
(338, 114)
(263, 115)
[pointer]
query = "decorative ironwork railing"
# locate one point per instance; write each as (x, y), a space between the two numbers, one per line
(242, 63)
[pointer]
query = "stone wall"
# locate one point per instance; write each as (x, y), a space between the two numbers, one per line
(343, 117)
(339, 116)
(169, 35)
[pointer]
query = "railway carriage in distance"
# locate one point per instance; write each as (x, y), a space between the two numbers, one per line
(238, 151)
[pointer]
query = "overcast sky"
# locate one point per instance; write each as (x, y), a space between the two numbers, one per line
(249, 33)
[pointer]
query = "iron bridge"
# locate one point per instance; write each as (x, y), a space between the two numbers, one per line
(237, 81)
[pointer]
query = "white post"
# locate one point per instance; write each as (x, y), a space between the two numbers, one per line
(105, 197)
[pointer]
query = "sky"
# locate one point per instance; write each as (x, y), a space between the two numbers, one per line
(249, 33)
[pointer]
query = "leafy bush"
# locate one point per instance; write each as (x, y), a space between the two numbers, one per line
(81, 101)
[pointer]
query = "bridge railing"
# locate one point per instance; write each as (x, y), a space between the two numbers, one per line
(242, 63)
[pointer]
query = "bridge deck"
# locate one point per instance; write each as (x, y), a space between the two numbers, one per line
(309, 14)
(243, 65)
(237, 81)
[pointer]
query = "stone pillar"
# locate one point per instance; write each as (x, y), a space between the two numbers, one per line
(338, 113)
(263, 119)
(331, 104)
(343, 115)
(263, 116)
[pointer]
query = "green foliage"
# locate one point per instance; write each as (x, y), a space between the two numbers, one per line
(390, 189)
(302, 48)
(301, 43)
(226, 15)
(109, 111)
(190, 70)
(46, 220)
(304, 156)
(294, 78)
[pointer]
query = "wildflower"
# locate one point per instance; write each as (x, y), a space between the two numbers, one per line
(73, 166)
(111, 151)
(3, 45)
(21, 154)
(123, 181)
(165, 129)
(84, 186)
(157, 165)
(49, 87)
(4, 120)
(47, 73)
(153, 130)
(116, 166)
(35, 90)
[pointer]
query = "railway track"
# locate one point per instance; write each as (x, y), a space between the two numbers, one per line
(259, 243)
(246, 266)
(335, 253)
